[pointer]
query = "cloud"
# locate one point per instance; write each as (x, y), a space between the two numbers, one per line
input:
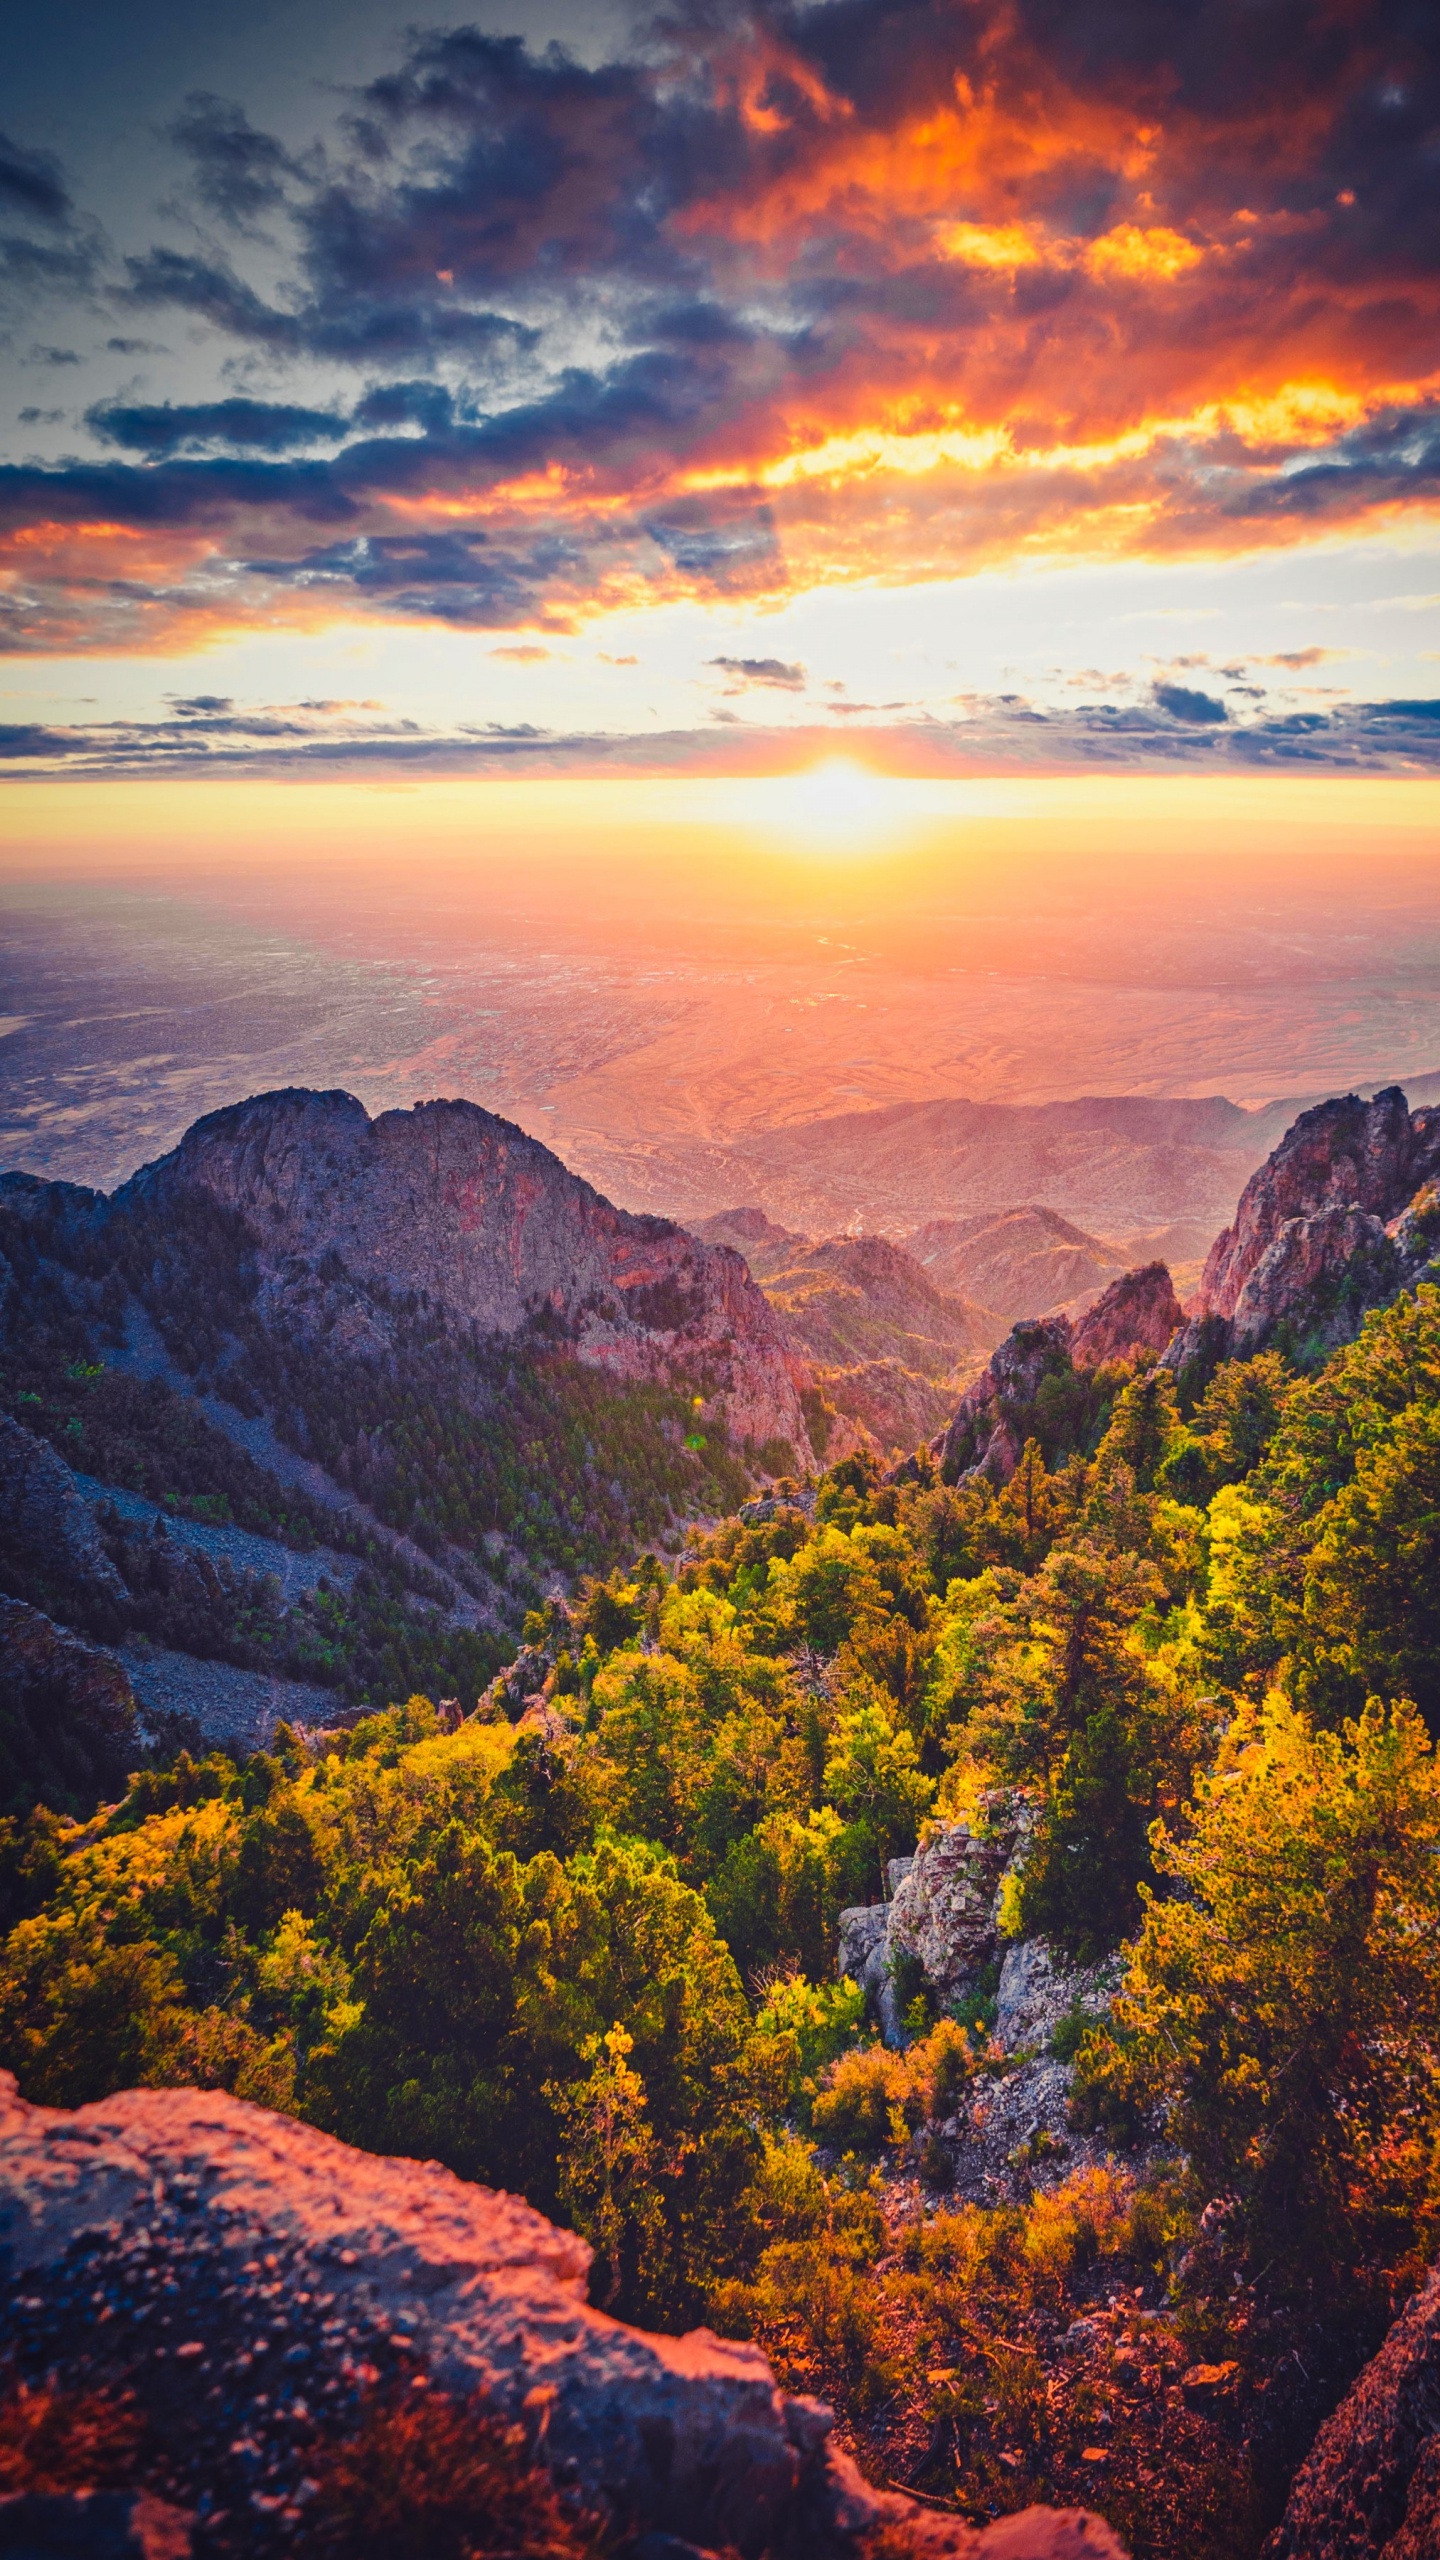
(1197, 710)
(216, 734)
(239, 172)
(254, 426)
(31, 184)
(1299, 659)
(804, 292)
(776, 672)
(527, 654)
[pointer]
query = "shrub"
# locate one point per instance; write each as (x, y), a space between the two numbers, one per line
(941, 2068)
(868, 2099)
(52, 2441)
(428, 2474)
(1282, 2011)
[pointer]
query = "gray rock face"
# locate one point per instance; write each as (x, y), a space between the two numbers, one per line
(944, 1910)
(449, 1200)
(982, 1438)
(1037, 1990)
(688, 2435)
(1369, 2489)
(1338, 1220)
(44, 1520)
(67, 1709)
(865, 1958)
(941, 1915)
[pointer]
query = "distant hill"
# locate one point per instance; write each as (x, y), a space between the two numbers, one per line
(1014, 1262)
(1108, 1164)
(888, 1347)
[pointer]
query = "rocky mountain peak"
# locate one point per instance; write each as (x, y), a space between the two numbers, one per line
(450, 1202)
(1331, 1225)
(1138, 1313)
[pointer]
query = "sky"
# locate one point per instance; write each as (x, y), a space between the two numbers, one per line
(958, 386)
(683, 569)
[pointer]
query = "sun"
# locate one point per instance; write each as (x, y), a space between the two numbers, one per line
(836, 804)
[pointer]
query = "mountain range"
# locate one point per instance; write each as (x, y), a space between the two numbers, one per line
(309, 1413)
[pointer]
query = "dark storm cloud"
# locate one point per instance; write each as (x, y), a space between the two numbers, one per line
(239, 172)
(31, 183)
(259, 426)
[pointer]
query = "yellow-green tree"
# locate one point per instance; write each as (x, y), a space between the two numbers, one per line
(608, 2157)
(1282, 2004)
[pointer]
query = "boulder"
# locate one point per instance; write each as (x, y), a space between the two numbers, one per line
(244, 2263)
(865, 1957)
(944, 1909)
(1369, 2489)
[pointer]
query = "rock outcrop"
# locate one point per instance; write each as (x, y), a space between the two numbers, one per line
(343, 1213)
(255, 2263)
(941, 1915)
(1138, 1313)
(44, 1523)
(1340, 1219)
(985, 1434)
(1037, 1990)
(69, 1731)
(1369, 2489)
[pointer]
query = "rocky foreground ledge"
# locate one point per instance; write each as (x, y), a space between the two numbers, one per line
(253, 2281)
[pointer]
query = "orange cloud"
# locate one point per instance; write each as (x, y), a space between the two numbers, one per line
(889, 294)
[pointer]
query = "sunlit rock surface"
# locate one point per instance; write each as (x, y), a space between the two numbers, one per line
(272, 2225)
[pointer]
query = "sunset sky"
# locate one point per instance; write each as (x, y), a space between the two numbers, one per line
(685, 570)
(994, 388)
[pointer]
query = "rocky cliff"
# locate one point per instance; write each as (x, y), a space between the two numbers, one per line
(253, 2282)
(1137, 1314)
(449, 1201)
(69, 1731)
(1341, 1218)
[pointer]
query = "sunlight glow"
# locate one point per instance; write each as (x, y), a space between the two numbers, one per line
(839, 804)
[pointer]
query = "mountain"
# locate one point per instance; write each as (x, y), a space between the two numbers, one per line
(1341, 1218)
(1111, 1164)
(301, 1416)
(1014, 1262)
(883, 1342)
(447, 1204)
(1024, 1390)
(766, 1247)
